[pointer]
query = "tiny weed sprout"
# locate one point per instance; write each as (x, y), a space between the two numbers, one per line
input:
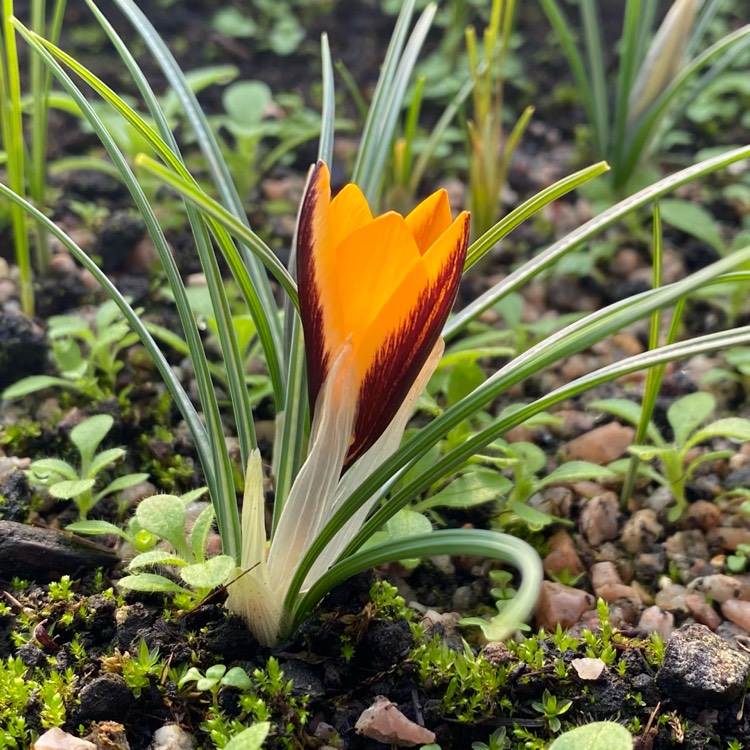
(67, 482)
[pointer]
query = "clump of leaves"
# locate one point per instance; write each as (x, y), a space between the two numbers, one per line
(85, 354)
(165, 517)
(472, 687)
(676, 465)
(67, 482)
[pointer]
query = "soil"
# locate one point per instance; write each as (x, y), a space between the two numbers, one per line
(353, 649)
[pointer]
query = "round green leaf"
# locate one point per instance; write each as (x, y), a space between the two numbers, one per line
(601, 735)
(163, 515)
(251, 738)
(70, 489)
(209, 574)
(151, 583)
(238, 678)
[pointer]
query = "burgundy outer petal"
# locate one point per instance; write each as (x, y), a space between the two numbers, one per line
(313, 210)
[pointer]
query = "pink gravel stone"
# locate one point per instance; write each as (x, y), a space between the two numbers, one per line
(559, 604)
(598, 521)
(702, 611)
(601, 445)
(738, 612)
(562, 556)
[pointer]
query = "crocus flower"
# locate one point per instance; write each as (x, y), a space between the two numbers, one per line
(385, 284)
(374, 295)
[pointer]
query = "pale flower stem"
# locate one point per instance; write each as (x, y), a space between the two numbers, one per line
(383, 448)
(311, 498)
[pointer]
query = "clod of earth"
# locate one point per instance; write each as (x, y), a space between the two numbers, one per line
(701, 668)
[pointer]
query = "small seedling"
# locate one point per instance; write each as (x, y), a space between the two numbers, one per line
(66, 482)
(215, 677)
(685, 417)
(497, 741)
(737, 563)
(85, 354)
(551, 709)
(165, 516)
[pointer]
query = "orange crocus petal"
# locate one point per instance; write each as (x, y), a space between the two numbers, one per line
(347, 212)
(401, 338)
(371, 264)
(429, 219)
(384, 284)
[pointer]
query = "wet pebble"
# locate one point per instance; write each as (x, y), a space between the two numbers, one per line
(738, 612)
(702, 611)
(608, 585)
(656, 620)
(641, 530)
(562, 556)
(600, 445)
(700, 668)
(559, 604)
(598, 520)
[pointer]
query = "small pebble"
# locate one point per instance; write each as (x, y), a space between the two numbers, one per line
(725, 538)
(562, 556)
(738, 612)
(656, 620)
(383, 722)
(601, 445)
(56, 739)
(641, 530)
(702, 514)
(598, 520)
(671, 596)
(660, 499)
(588, 668)
(607, 584)
(702, 611)
(172, 737)
(561, 605)
(689, 553)
(722, 588)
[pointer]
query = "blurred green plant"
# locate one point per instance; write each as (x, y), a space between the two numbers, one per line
(654, 83)
(87, 354)
(491, 152)
(686, 418)
(77, 483)
(26, 167)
